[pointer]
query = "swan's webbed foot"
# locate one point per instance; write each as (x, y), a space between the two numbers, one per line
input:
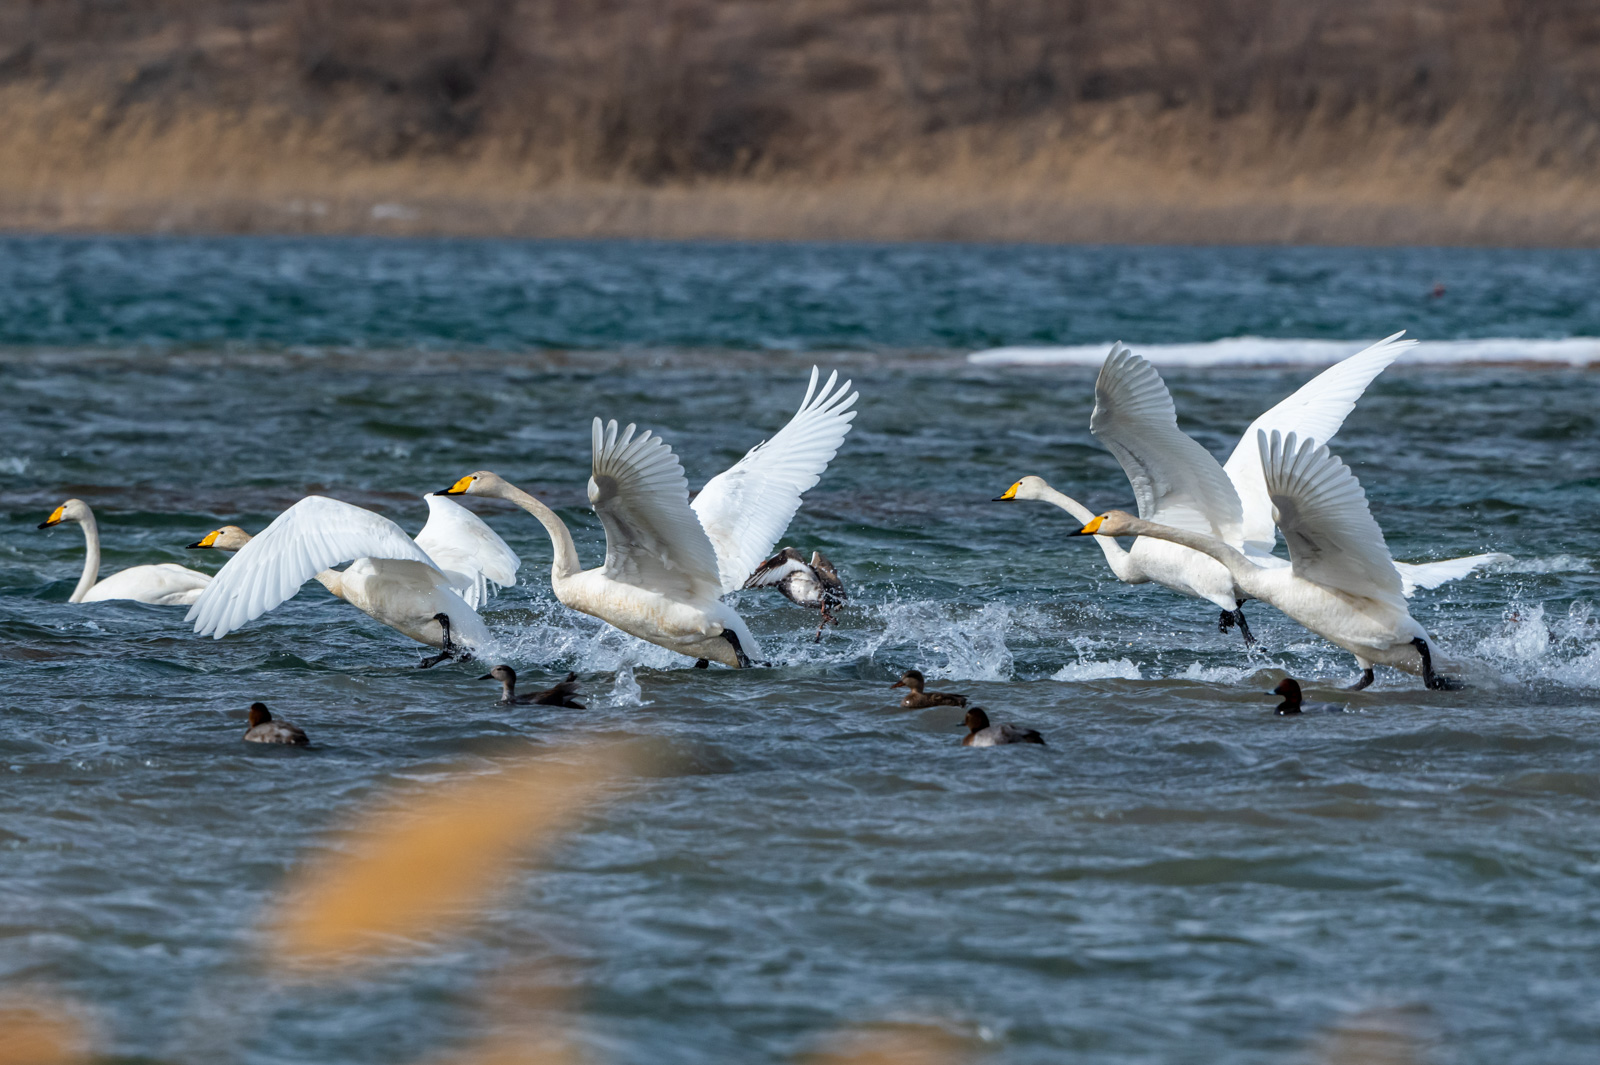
(1434, 681)
(448, 650)
(1366, 679)
(738, 651)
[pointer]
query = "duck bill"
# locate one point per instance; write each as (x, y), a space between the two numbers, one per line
(898, 684)
(487, 676)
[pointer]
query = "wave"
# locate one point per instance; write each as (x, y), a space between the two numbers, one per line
(1266, 351)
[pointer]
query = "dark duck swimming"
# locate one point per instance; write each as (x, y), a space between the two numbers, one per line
(814, 585)
(561, 695)
(917, 698)
(982, 734)
(264, 728)
(1292, 703)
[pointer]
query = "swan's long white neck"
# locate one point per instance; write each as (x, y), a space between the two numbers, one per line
(91, 558)
(564, 564)
(1116, 555)
(1246, 574)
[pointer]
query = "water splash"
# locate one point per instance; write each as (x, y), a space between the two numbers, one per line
(1529, 644)
(1088, 668)
(945, 640)
(625, 690)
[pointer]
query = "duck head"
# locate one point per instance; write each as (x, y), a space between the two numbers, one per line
(976, 720)
(912, 679)
(503, 674)
(259, 714)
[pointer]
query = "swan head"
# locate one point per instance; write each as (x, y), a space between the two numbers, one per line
(1111, 523)
(227, 538)
(259, 714)
(1028, 488)
(481, 483)
(72, 510)
(976, 719)
(911, 678)
(503, 674)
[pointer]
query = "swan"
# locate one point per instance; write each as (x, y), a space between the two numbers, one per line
(428, 588)
(264, 728)
(668, 561)
(1178, 483)
(1340, 582)
(162, 584)
(982, 734)
(813, 584)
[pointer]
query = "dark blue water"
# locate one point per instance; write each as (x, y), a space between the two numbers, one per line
(1179, 876)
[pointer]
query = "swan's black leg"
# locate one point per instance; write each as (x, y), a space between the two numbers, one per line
(738, 651)
(1366, 679)
(447, 651)
(1244, 627)
(1433, 680)
(1226, 621)
(702, 663)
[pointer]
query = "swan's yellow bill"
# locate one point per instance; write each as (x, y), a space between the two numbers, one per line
(1010, 493)
(209, 540)
(460, 486)
(55, 516)
(1091, 528)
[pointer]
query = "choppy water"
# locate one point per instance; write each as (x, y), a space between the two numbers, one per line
(1179, 877)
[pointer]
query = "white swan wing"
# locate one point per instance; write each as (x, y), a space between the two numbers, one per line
(653, 540)
(470, 553)
(1314, 411)
(304, 540)
(1175, 480)
(1322, 510)
(1416, 575)
(161, 584)
(747, 507)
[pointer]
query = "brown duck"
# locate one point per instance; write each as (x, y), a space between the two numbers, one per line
(561, 695)
(917, 699)
(264, 728)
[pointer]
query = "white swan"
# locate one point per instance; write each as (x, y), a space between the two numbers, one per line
(162, 584)
(1177, 482)
(1340, 582)
(668, 563)
(428, 588)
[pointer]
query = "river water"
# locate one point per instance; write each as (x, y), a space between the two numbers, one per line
(1180, 876)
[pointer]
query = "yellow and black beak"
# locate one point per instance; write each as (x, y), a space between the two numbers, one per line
(54, 518)
(1091, 528)
(209, 540)
(1011, 494)
(460, 487)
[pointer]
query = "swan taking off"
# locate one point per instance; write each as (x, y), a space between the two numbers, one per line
(162, 584)
(1177, 482)
(668, 563)
(409, 585)
(1340, 582)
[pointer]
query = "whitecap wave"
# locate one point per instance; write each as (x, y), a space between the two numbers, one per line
(1530, 644)
(1090, 669)
(1267, 351)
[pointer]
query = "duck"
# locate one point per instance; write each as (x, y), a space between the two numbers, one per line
(815, 584)
(1340, 582)
(160, 584)
(1178, 483)
(669, 561)
(264, 728)
(428, 588)
(982, 734)
(917, 699)
(1289, 688)
(561, 695)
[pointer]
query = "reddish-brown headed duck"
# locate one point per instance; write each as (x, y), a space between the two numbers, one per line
(266, 729)
(982, 734)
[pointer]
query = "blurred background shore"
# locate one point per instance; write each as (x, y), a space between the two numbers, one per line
(1208, 121)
